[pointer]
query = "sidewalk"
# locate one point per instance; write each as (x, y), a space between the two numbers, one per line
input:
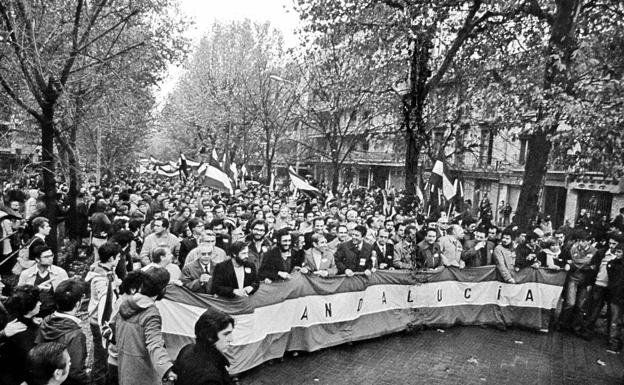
(460, 355)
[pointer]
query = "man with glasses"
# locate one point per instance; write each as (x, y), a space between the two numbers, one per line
(199, 268)
(45, 275)
(258, 244)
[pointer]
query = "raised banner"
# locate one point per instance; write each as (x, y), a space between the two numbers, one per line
(311, 313)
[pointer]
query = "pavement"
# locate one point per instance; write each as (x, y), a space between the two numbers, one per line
(459, 355)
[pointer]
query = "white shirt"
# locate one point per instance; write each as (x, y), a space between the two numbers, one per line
(317, 258)
(240, 276)
(602, 278)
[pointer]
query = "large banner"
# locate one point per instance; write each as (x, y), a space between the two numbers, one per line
(311, 313)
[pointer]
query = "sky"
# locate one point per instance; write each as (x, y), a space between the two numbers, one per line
(206, 12)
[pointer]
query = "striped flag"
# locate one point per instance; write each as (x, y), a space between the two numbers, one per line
(214, 177)
(319, 310)
(167, 171)
(441, 181)
(299, 182)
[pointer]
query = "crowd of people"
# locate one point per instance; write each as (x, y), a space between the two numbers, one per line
(145, 234)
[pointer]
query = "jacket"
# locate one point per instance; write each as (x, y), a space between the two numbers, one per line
(142, 357)
(224, 279)
(28, 276)
(387, 257)
(191, 274)
(198, 364)
(481, 257)
(98, 279)
(327, 262)
(349, 257)
(257, 256)
(505, 259)
(523, 255)
(273, 263)
(186, 245)
(13, 353)
(428, 256)
(615, 271)
(451, 251)
(63, 328)
(404, 253)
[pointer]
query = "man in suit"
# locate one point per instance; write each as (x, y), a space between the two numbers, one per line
(319, 259)
(384, 250)
(197, 275)
(187, 244)
(235, 277)
(478, 251)
(355, 255)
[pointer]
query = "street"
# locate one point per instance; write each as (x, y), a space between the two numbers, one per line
(461, 355)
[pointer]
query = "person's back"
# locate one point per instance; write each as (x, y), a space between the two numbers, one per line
(64, 327)
(142, 357)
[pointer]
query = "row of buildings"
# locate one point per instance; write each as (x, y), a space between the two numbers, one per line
(495, 167)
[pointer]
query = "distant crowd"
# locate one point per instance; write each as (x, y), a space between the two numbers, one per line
(144, 234)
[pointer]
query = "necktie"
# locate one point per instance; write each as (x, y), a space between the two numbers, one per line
(206, 269)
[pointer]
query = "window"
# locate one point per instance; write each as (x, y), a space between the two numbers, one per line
(438, 140)
(523, 150)
(363, 178)
(486, 147)
(459, 145)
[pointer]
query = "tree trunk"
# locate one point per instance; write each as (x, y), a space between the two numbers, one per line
(335, 175)
(413, 109)
(534, 173)
(561, 45)
(268, 158)
(48, 173)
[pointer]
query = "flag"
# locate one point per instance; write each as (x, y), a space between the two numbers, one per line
(459, 189)
(167, 171)
(105, 308)
(234, 172)
(388, 210)
(441, 181)
(419, 191)
(215, 157)
(192, 164)
(321, 311)
(299, 182)
(156, 162)
(184, 173)
(214, 177)
(330, 197)
(272, 181)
